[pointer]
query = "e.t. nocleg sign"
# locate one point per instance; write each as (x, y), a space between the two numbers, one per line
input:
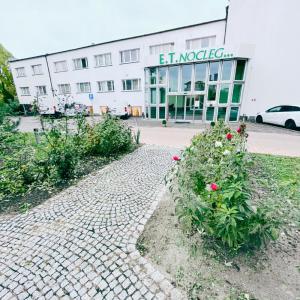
(195, 55)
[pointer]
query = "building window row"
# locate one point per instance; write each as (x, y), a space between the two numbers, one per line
(126, 56)
(85, 87)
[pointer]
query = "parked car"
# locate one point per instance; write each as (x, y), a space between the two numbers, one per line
(284, 115)
(61, 110)
(119, 111)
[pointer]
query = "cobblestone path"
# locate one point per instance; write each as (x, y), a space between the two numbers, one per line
(80, 244)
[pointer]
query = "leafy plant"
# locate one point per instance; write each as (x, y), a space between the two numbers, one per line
(109, 138)
(212, 191)
(164, 123)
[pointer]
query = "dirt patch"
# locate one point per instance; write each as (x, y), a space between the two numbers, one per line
(205, 274)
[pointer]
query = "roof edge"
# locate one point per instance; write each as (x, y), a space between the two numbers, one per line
(119, 40)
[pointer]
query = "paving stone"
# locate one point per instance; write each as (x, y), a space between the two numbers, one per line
(81, 242)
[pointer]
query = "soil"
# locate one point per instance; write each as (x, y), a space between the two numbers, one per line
(203, 273)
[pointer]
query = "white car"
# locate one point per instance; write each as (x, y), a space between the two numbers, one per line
(119, 111)
(284, 115)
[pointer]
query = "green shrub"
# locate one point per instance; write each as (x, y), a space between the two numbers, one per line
(109, 138)
(211, 184)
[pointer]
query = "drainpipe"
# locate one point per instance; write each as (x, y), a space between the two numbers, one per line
(226, 19)
(49, 74)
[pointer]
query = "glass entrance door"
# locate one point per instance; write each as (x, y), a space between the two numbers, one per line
(186, 107)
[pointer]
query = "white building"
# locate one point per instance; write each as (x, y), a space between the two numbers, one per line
(222, 69)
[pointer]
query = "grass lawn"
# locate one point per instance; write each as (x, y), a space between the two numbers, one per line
(204, 271)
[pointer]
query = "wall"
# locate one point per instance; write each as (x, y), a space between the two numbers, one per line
(116, 72)
(271, 28)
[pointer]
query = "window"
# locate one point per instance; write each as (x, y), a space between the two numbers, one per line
(60, 66)
(200, 76)
(161, 48)
(173, 79)
(153, 95)
(83, 87)
(274, 109)
(131, 84)
(37, 69)
(240, 70)
(237, 92)
(198, 43)
(41, 90)
(213, 71)
(64, 88)
(162, 95)
(130, 56)
(106, 86)
(224, 92)
(212, 91)
(210, 111)
(234, 114)
(103, 60)
(152, 75)
(80, 63)
(25, 91)
(226, 70)
(221, 113)
(20, 72)
(162, 75)
(291, 108)
(186, 78)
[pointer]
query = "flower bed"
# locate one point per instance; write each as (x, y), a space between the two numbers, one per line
(34, 166)
(210, 184)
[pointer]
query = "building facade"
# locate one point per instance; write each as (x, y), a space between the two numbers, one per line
(218, 70)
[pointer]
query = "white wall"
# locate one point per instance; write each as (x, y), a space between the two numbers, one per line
(271, 28)
(116, 72)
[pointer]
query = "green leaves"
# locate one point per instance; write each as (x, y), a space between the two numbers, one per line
(224, 214)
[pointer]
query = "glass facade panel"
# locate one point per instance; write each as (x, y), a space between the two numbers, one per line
(222, 113)
(173, 79)
(162, 74)
(171, 106)
(240, 70)
(153, 95)
(189, 107)
(180, 107)
(224, 91)
(212, 91)
(213, 71)
(234, 113)
(162, 95)
(199, 101)
(237, 92)
(210, 113)
(153, 112)
(152, 75)
(186, 78)
(162, 112)
(226, 70)
(200, 76)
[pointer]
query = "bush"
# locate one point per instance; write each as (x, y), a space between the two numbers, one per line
(28, 165)
(109, 138)
(211, 184)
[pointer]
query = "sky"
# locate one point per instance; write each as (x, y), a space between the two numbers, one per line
(34, 27)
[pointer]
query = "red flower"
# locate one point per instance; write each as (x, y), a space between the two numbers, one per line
(214, 186)
(229, 136)
(176, 158)
(239, 130)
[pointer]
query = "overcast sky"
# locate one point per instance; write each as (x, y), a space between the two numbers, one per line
(33, 27)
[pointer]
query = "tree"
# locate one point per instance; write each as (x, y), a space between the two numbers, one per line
(7, 87)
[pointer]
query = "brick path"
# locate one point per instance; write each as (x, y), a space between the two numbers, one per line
(80, 244)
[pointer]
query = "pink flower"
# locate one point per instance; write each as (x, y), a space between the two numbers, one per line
(176, 158)
(229, 136)
(239, 130)
(214, 186)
